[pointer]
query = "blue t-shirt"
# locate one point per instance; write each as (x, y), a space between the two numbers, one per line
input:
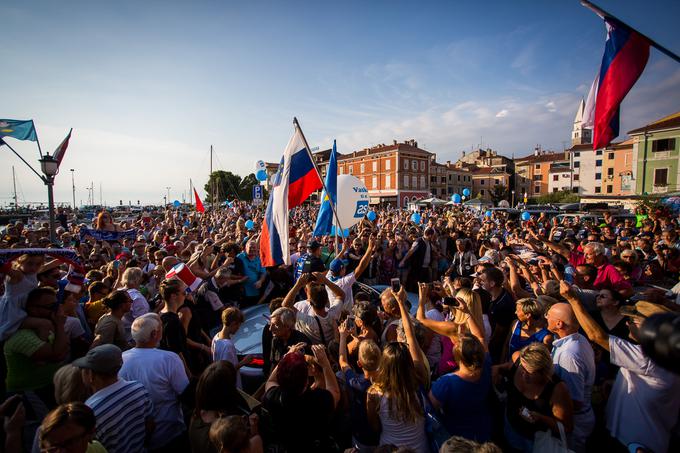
(253, 270)
(465, 405)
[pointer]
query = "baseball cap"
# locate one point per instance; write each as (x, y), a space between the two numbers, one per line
(336, 266)
(313, 245)
(105, 359)
(643, 310)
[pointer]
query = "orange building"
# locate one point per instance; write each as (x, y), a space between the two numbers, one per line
(396, 174)
(533, 172)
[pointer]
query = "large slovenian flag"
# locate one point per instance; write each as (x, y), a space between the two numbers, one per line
(324, 220)
(296, 179)
(625, 56)
(61, 149)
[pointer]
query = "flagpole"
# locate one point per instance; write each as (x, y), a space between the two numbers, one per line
(323, 183)
(3, 142)
(37, 140)
(602, 13)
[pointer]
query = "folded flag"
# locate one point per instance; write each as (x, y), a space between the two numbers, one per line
(324, 220)
(19, 129)
(625, 56)
(61, 149)
(295, 180)
(109, 236)
(199, 203)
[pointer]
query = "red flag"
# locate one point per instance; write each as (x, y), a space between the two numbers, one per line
(199, 204)
(61, 149)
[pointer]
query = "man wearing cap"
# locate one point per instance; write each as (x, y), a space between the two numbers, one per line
(310, 261)
(123, 409)
(645, 399)
(337, 274)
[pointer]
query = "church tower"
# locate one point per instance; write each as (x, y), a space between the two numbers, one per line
(581, 135)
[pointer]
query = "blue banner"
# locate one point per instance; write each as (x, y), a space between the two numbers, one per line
(108, 236)
(21, 130)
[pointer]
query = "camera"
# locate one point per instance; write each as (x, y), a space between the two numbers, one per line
(395, 283)
(450, 301)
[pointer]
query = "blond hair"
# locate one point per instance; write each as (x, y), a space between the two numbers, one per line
(536, 358)
(68, 385)
(474, 306)
(369, 355)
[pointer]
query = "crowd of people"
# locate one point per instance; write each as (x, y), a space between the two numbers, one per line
(489, 333)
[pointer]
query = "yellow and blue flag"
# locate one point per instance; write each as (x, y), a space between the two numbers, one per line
(21, 130)
(324, 221)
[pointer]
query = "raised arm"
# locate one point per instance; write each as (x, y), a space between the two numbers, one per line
(515, 284)
(329, 377)
(445, 328)
(593, 331)
(366, 259)
(413, 346)
(335, 289)
(343, 359)
(289, 300)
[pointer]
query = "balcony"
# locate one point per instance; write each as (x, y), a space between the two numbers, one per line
(660, 189)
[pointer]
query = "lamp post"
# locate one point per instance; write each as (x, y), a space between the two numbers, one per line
(50, 166)
(73, 185)
(168, 199)
(512, 205)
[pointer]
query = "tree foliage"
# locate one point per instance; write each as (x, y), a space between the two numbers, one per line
(563, 196)
(229, 186)
(498, 193)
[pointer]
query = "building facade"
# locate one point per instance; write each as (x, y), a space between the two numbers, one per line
(656, 154)
(541, 172)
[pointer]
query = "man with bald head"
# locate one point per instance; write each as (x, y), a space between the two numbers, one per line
(575, 364)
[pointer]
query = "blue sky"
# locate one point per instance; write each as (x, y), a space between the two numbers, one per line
(149, 86)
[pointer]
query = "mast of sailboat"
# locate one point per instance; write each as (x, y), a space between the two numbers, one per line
(191, 193)
(212, 181)
(14, 182)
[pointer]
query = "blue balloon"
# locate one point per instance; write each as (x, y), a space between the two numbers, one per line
(261, 175)
(415, 217)
(487, 214)
(176, 203)
(526, 216)
(250, 224)
(344, 234)
(466, 192)
(456, 198)
(371, 215)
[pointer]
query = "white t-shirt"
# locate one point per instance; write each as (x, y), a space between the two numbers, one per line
(645, 399)
(306, 323)
(139, 307)
(163, 375)
(224, 349)
(344, 283)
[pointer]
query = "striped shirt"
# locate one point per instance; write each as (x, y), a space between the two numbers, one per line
(121, 410)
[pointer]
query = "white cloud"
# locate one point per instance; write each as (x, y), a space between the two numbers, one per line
(502, 114)
(551, 106)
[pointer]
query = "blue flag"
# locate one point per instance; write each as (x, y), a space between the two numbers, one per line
(324, 221)
(21, 130)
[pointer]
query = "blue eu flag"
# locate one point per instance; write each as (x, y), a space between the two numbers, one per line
(324, 220)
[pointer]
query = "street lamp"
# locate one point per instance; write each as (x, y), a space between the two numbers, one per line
(168, 199)
(512, 205)
(73, 185)
(50, 167)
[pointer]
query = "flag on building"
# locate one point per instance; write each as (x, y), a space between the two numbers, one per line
(625, 56)
(295, 180)
(61, 149)
(21, 130)
(324, 220)
(199, 203)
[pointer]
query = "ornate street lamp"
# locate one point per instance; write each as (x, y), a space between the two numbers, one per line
(50, 167)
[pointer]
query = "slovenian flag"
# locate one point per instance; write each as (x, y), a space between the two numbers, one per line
(296, 179)
(324, 220)
(625, 56)
(61, 149)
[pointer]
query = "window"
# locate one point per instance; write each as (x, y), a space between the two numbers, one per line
(388, 164)
(375, 182)
(405, 201)
(577, 154)
(537, 177)
(388, 181)
(481, 182)
(495, 182)
(598, 189)
(610, 188)
(375, 165)
(610, 172)
(576, 177)
(341, 170)
(422, 182)
(537, 166)
(458, 178)
(556, 177)
(414, 165)
(574, 189)
(405, 164)
(577, 164)
(362, 168)
(598, 163)
(610, 156)
(598, 152)
(537, 189)
(422, 165)
(665, 144)
(406, 181)
(351, 169)
(555, 189)
(661, 177)
(414, 182)
(443, 179)
(598, 176)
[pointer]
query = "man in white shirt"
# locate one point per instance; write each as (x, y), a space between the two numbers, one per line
(645, 399)
(574, 361)
(165, 378)
(337, 274)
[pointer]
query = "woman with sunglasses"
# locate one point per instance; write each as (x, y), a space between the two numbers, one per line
(104, 222)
